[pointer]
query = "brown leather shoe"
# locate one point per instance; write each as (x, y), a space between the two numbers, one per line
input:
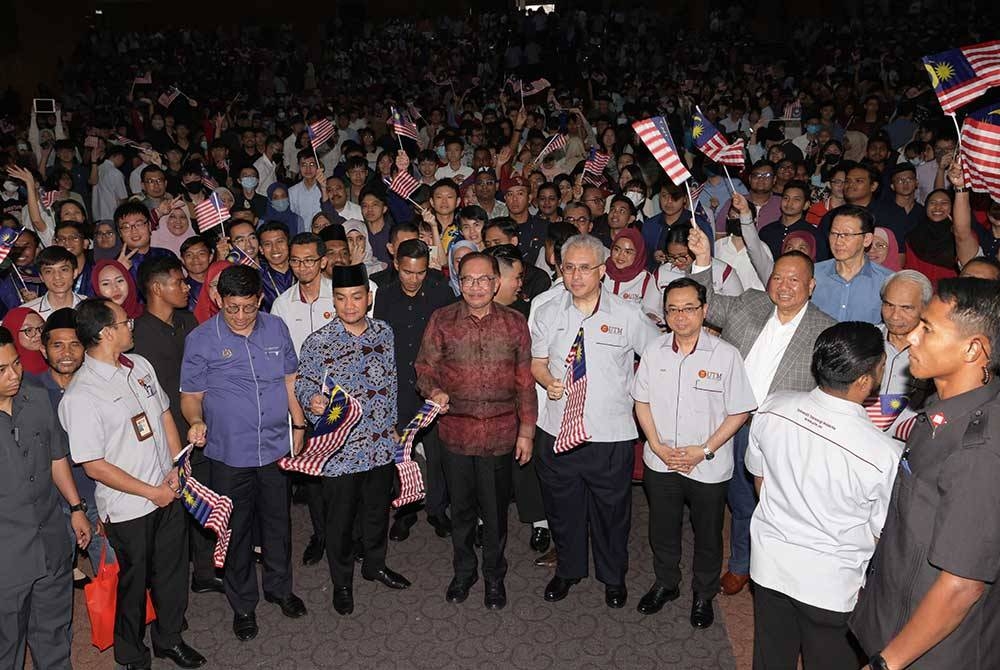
(548, 559)
(733, 584)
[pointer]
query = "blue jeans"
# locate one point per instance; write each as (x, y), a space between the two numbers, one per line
(96, 541)
(742, 500)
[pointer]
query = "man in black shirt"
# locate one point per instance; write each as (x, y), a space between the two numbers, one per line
(406, 304)
(159, 337)
(794, 200)
(505, 231)
(400, 233)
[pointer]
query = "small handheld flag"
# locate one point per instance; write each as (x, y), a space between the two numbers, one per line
(208, 508)
(981, 150)
(572, 432)
(146, 78)
(536, 86)
(557, 142)
(47, 198)
(210, 213)
(237, 256)
(329, 434)
(167, 98)
(712, 143)
(411, 482)
(596, 162)
(959, 76)
(404, 126)
(656, 136)
(8, 236)
(403, 184)
(207, 179)
(320, 132)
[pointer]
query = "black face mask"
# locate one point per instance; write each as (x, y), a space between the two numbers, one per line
(733, 227)
(193, 187)
(831, 159)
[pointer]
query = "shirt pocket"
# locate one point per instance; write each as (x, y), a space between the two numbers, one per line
(269, 363)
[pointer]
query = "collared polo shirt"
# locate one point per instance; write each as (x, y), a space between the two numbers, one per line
(613, 335)
(304, 318)
(243, 378)
(690, 395)
(44, 309)
(97, 412)
(856, 300)
(828, 475)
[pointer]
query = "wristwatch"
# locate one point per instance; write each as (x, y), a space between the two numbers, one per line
(876, 662)
(709, 454)
(79, 507)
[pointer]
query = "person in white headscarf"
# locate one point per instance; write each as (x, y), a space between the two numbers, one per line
(357, 243)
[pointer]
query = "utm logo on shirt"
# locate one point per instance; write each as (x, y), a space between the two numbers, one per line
(613, 330)
(708, 374)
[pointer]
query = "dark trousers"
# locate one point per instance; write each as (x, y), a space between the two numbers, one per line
(667, 493)
(479, 487)
(783, 626)
(527, 492)
(39, 614)
(364, 497)
(201, 539)
(587, 495)
(261, 498)
(317, 507)
(152, 553)
(435, 486)
(742, 499)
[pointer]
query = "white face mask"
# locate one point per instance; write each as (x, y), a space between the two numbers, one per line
(636, 198)
(9, 187)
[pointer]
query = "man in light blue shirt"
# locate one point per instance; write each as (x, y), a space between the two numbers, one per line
(848, 285)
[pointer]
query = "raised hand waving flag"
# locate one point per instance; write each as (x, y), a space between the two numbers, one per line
(959, 76)
(712, 143)
(656, 136)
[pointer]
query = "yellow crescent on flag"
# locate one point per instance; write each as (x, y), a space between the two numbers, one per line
(934, 78)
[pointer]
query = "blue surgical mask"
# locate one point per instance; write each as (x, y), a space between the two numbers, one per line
(280, 205)
(441, 153)
(813, 128)
(249, 183)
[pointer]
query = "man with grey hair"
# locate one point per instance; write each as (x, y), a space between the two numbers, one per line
(583, 348)
(904, 296)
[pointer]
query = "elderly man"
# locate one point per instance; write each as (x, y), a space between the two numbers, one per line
(775, 332)
(587, 432)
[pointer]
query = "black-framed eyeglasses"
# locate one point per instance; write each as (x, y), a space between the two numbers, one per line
(32, 331)
(129, 322)
(841, 236)
(304, 262)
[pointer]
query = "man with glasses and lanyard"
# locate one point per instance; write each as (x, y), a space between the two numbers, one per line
(237, 392)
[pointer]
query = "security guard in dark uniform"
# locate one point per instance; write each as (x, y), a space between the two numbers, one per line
(931, 601)
(35, 551)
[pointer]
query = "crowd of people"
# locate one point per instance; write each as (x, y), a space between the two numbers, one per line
(806, 338)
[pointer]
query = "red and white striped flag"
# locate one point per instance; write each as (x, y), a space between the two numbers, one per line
(167, 98)
(144, 78)
(8, 236)
(981, 150)
(411, 482)
(403, 184)
(207, 179)
(572, 431)
(210, 212)
(712, 143)
(905, 427)
(329, 434)
(959, 76)
(320, 132)
(404, 126)
(656, 136)
(47, 198)
(208, 508)
(557, 142)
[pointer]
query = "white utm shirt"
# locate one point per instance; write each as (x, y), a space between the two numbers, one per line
(828, 476)
(304, 318)
(767, 351)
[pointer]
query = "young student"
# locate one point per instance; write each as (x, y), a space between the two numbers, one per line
(57, 267)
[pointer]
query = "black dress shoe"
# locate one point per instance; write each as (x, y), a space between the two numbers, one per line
(135, 666)
(656, 598)
(213, 585)
(615, 596)
(245, 626)
(343, 599)
(702, 613)
(458, 589)
(400, 529)
(540, 538)
(478, 541)
(182, 655)
(441, 525)
(496, 595)
(291, 605)
(392, 579)
(558, 588)
(359, 552)
(549, 559)
(313, 553)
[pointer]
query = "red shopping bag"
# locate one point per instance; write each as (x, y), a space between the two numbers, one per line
(101, 595)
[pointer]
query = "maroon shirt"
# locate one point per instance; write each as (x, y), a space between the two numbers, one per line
(484, 365)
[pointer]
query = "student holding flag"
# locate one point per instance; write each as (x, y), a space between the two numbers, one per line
(356, 354)
(585, 451)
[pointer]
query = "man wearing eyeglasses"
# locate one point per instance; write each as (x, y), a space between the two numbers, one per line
(121, 430)
(848, 285)
(237, 392)
(132, 221)
(585, 490)
(474, 363)
(692, 373)
(154, 187)
(486, 193)
(768, 204)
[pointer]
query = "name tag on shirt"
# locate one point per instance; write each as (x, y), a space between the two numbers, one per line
(272, 352)
(140, 423)
(712, 384)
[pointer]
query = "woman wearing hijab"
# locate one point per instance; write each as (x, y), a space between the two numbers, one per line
(278, 209)
(626, 270)
(361, 251)
(26, 326)
(885, 250)
(113, 281)
(930, 246)
(107, 244)
(455, 254)
(173, 230)
(209, 302)
(801, 241)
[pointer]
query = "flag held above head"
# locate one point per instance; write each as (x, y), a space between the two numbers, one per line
(320, 132)
(713, 144)
(597, 161)
(404, 126)
(146, 78)
(959, 76)
(656, 136)
(557, 142)
(8, 237)
(210, 213)
(237, 256)
(981, 150)
(403, 184)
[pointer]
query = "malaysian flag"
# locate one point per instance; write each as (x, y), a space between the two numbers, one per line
(8, 236)
(959, 76)
(47, 198)
(144, 78)
(329, 434)
(883, 409)
(656, 136)
(403, 184)
(207, 179)
(404, 126)
(237, 256)
(167, 98)
(210, 212)
(981, 150)
(596, 162)
(712, 143)
(905, 427)
(572, 432)
(536, 86)
(320, 132)
(411, 483)
(208, 508)
(557, 142)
